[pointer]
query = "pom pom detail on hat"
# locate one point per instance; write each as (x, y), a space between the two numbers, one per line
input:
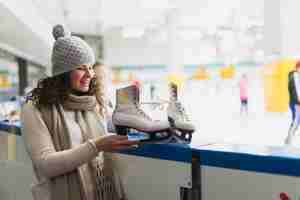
(60, 31)
(69, 52)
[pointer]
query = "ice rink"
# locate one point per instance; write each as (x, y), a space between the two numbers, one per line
(214, 107)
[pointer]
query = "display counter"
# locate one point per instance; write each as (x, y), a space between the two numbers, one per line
(235, 171)
(208, 171)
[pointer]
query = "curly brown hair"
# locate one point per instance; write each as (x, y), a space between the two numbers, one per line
(55, 90)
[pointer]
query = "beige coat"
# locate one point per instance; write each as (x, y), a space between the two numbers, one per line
(47, 162)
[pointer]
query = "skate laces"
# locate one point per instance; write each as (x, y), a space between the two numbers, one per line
(140, 111)
(182, 111)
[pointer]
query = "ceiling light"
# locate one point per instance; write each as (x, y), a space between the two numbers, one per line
(133, 32)
(189, 34)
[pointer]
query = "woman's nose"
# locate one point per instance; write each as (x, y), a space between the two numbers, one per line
(90, 73)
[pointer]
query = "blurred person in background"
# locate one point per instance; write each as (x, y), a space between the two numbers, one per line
(103, 90)
(152, 91)
(294, 92)
(243, 87)
(137, 83)
(63, 132)
(10, 110)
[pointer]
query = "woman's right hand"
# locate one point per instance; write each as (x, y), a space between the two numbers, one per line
(113, 142)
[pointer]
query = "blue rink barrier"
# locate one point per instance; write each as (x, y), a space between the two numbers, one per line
(11, 127)
(174, 152)
(265, 159)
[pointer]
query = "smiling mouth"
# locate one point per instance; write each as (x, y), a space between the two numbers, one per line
(85, 83)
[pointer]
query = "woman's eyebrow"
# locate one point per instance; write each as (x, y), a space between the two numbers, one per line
(83, 67)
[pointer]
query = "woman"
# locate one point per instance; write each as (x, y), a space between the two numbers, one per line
(244, 85)
(294, 93)
(105, 107)
(102, 94)
(63, 132)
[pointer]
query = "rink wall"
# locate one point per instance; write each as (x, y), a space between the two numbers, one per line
(227, 171)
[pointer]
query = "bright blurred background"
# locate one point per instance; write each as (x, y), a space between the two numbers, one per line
(203, 46)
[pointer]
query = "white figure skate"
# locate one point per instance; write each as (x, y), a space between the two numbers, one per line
(177, 116)
(128, 117)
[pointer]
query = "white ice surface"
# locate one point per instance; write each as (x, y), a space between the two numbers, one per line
(214, 108)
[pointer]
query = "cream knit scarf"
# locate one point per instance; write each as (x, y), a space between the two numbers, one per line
(69, 186)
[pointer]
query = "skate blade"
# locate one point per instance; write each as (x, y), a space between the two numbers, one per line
(137, 136)
(166, 137)
(184, 136)
(144, 137)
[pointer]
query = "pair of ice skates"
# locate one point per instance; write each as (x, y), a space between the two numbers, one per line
(129, 119)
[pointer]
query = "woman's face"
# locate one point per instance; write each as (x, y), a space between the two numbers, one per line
(81, 77)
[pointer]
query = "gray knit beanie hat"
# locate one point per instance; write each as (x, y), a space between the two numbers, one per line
(69, 51)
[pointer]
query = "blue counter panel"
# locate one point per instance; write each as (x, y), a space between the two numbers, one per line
(174, 152)
(265, 159)
(13, 128)
(274, 160)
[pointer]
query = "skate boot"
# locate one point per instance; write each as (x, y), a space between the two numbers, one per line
(129, 119)
(177, 116)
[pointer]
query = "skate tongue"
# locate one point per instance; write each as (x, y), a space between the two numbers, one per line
(181, 110)
(141, 112)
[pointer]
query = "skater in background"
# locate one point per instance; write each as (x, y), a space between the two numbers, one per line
(243, 86)
(294, 92)
(152, 91)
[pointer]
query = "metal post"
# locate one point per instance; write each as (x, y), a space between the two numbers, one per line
(23, 75)
(196, 178)
(193, 193)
